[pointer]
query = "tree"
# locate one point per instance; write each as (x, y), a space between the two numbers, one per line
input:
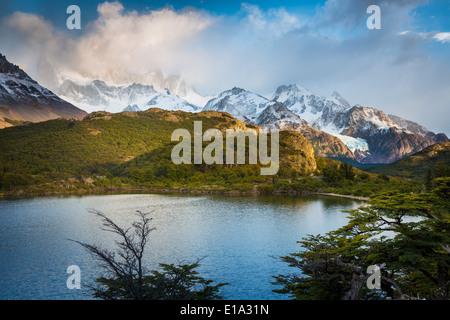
(347, 171)
(12, 180)
(128, 279)
(407, 235)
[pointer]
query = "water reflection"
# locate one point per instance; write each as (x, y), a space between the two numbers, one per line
(236, 235)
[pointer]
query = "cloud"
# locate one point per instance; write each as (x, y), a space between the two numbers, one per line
(122, 44)
(272, 23)
(257, 49)
(442, 36)
(437, 36)
(118, 47)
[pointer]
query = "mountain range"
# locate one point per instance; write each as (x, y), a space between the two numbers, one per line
(369, 135)
(335, 128)
(97, 95)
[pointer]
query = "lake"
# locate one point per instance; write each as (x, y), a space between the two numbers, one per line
(237, 237)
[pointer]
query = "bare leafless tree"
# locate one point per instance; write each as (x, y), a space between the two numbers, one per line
(125, 264)
(126, 276)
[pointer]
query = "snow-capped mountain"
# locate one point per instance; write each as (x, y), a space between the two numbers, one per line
(336, 128)
(241, 104)
(269, 115)
(97, 95)
(368, 132)
(387, 140)
(23, 99)
(133, 108)
(415, 127)
(164, 100)
(278, 116)
(167, 101)
(309, 106)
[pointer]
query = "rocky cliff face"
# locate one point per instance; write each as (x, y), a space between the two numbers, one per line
(384, 138)
(23, 99)
(99, 96)
(278, 116)
(296, 152)
(388, 141)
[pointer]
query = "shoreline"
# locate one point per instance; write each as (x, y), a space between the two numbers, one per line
(185, 191)
(344, 196)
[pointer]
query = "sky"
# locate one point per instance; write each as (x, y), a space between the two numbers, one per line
(325, 46)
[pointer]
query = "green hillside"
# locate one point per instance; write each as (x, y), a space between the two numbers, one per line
(419, 165)
(132, 150)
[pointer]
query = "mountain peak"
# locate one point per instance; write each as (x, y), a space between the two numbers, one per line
(339, 99)
(237, 90)
(290, 89)
(11, 69)
(133, 108)
(23, 99)
(167, 101)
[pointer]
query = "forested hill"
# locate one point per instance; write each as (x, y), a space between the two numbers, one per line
(132, 150)
(421, 164)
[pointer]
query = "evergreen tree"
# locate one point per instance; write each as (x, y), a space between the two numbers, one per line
(407, 235)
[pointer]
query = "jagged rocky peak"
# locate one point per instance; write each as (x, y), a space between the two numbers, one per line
(94, 95)
(236, 90)
(339, 99)
(232, 92)
(241, 104)
(11, 69)
(23, 99)
(133, 108)
(289, 90)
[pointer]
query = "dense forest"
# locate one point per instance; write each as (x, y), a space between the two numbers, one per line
(132, 150)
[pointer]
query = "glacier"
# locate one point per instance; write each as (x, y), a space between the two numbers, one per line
(353, 143)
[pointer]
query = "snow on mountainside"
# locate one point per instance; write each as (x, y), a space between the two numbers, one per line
(369, 132)
(311, 107)
(365, 134)
(133, 108)
(269, 115)
(167, 101)
(97, 95)
(409, 125)
(336, 128)
(23, 99)
(278, 116)
(241, 104)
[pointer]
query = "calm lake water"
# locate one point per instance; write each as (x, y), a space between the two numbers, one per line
(237, 237)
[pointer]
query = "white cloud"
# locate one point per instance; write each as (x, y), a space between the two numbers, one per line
(442, 36)
(272, 23)
(120, 46)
